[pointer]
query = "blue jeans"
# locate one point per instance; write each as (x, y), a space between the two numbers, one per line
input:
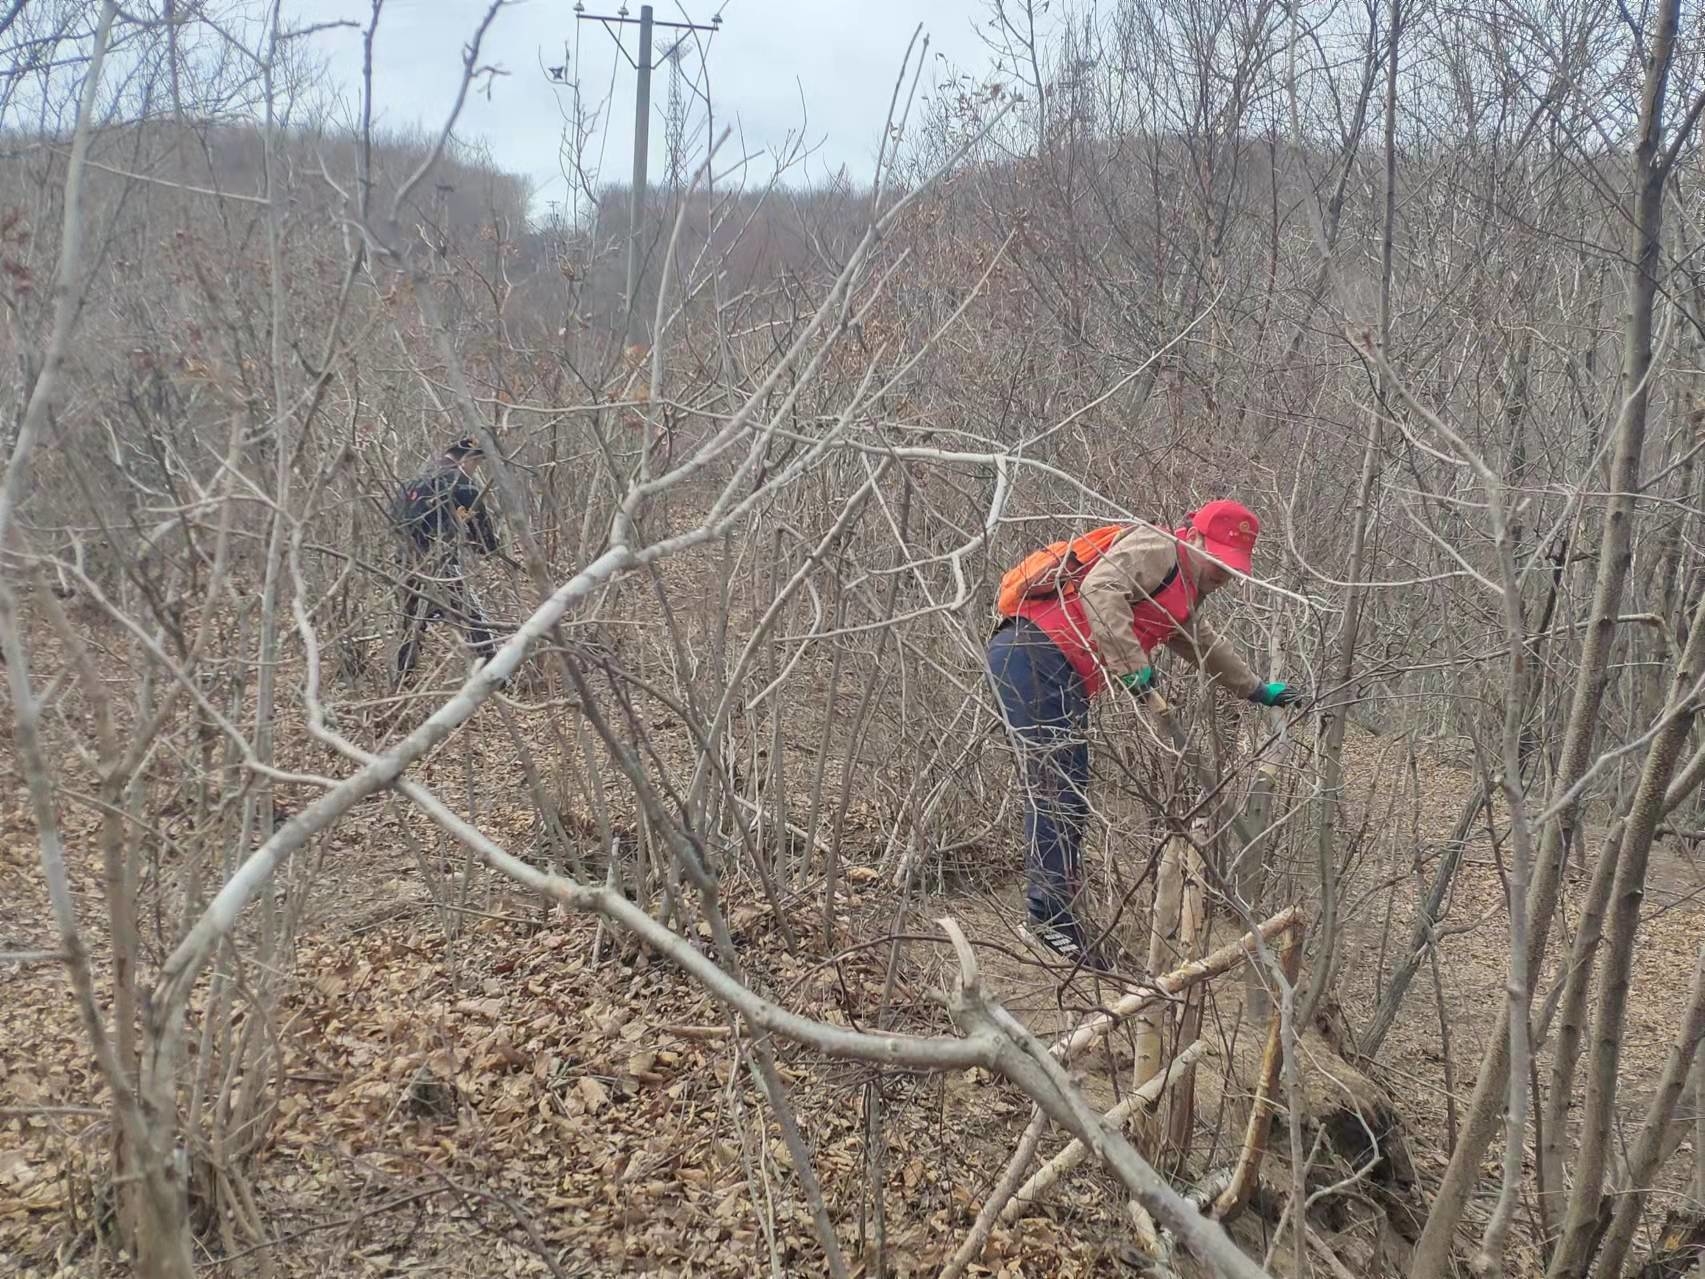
(1046, 711)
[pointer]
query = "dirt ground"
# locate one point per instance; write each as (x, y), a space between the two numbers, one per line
(501, 1090)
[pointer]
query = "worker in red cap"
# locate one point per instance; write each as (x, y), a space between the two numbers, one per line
(1076, 618)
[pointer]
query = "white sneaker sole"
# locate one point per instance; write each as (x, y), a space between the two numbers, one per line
(1028, 934)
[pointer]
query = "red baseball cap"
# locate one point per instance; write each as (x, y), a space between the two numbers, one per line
(1228, 532)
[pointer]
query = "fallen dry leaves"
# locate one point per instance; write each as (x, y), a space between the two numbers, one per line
(590, 1098)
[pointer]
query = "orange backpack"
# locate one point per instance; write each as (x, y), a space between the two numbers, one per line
(1057, 568)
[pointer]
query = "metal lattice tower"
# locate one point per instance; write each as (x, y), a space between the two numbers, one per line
(675, 124)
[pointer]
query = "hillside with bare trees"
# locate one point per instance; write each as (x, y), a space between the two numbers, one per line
(667, 915)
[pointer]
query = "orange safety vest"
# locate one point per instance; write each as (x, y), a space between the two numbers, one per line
(1061, 617)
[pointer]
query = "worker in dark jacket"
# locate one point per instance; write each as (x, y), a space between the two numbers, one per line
(438, 513)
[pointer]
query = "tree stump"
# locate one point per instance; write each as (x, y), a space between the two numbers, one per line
(1679, 1248)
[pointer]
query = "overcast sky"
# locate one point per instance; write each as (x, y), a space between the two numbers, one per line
(775, 64)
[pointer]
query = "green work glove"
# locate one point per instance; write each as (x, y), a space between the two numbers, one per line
(1276, 693)
(1140, 682)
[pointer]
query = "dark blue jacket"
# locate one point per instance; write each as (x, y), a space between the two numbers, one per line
(426, 507)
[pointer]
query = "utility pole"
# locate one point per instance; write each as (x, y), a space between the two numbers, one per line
(641, 128)
(641, 150)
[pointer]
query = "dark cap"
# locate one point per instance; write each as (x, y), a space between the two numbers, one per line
(467, 446)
